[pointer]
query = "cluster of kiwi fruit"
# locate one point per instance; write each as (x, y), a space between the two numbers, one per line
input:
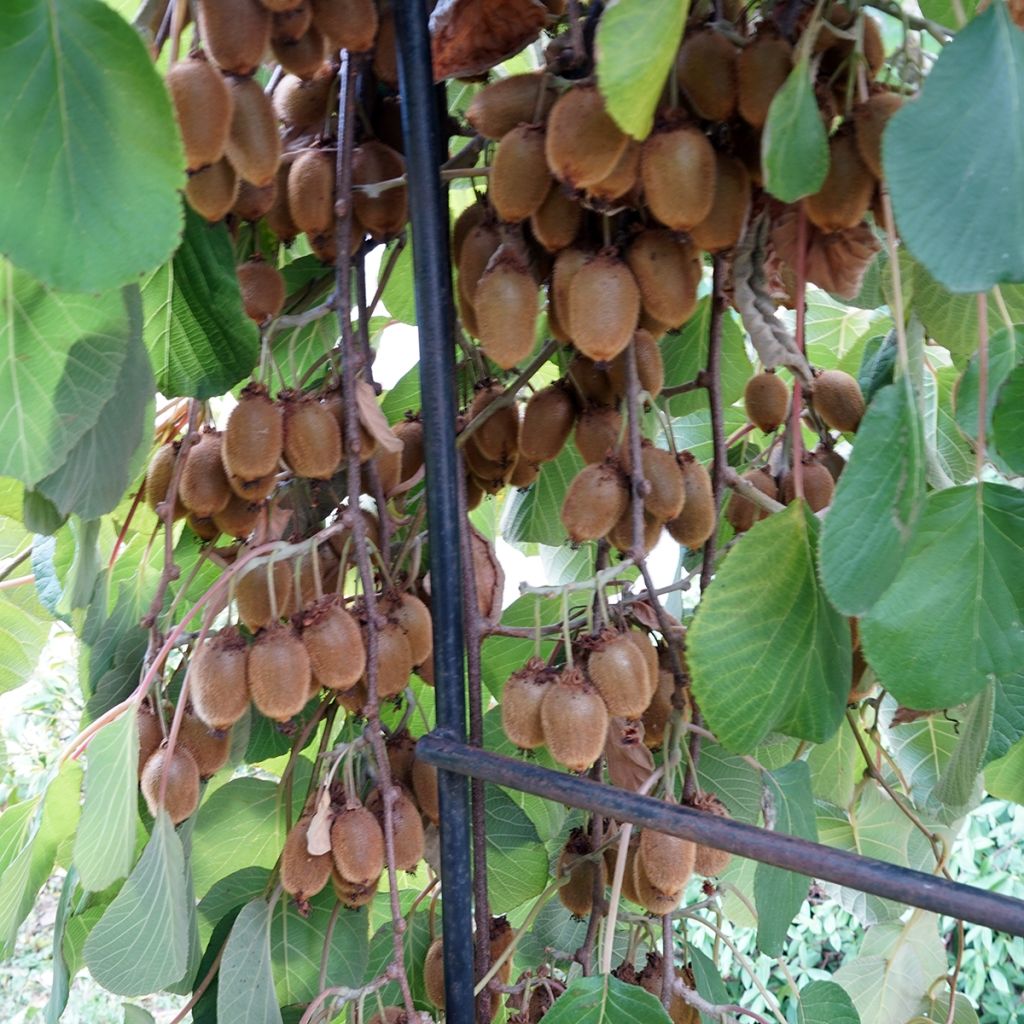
(499, 938)
(650, 980)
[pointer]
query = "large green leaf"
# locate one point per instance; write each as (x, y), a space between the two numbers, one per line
(956, 785)
(517, 863)
(88, 145)
(199, 338)
(1008, 421)
(534, 515)
(1005, 351)
(836, 768)
(766, 650)
(877, 503)
(604, 999)
(825, 1002)
(1005, 778)
(140, 945)
(794, 146)
(399, 296)
(636, 49)
(940, 152)
(950, 622)
(24, 627)
(245, 987)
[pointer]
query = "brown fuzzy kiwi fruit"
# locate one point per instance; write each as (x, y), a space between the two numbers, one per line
(303, 57)
(650, 896)
(583, 143)
(203, 527)
(384, 215)
(388, 465)
(182, 796)
(500, 937)
(619, 672)
(278, 216)
(498, 436)
(401, 751)
(385, 52)
(846, 193)
(677, 168)
(263, 289)
(303, 874)
(413, 618)
(556, 222)
(251, 490)
(312, 440)
(211, 192)
(347, 24)
(817, 482)
(507, 303)
(334, 644)
(350, 894)
(253, 203)
(158, 479)
(594, 501)
(577, 893)
(410, 432)
(253, 146)
(707, 74)
(766, 400)
(870, 119)
(567, 265)
(480, 244)
(210, 748)
(620, 536)
(290, 25)
(202, 106)
(604, 307)
(743, 513)
(708, 860)
(592, 381)
(507, 102)
(831, 460)
(150, 733)
(433, 973)
(763, 68)
(203, 486)
(394, 660)
(357, 845)
(235, 32)
(666, 860)
(679, 1010)
(696, 522)
(649, 366)
(311, 191)
(408, 828)
(666, 496)
(574, 719)
(279, 673)
(254, 436)
(667, 270)
(218, 679)
(547, 422)
(252, 594)
(621, 181)
(424, 787)
(838, 400)
(280, 6)
(390, 1015)
(639, 639)
(722, 227)
(303, 103)
(519, 180)
(472, 216)
(523, 474)
(520, 704)
(657, 713)
(238, 518)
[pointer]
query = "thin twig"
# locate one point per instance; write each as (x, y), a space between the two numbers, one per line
(19, 559)
(698, 1002)
(750, 492)
(698, 382)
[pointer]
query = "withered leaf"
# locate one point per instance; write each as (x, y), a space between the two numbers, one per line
(469, 37)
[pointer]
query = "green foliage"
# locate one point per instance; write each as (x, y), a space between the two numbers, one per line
(245, 988)
(605, 1000)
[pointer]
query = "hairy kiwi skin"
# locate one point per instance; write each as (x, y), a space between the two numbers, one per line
(763, 68)
(723, 225)
(254, 438)
(870, 119)
(182, 796)
(556, 222)
(507, 303)
(303, 874)
(312, 438)
(667, 271)
(311, 192)
(695, 524)
(574, 720)
(519, 180)
(597, 434)
(235, 32)
(677, 168)
(262, 288)
(347, 24)
(212, 191)
(818, 485)
(433, 973)
(219, 684)
(666, 860)
(618, 670)
(158, 479)
(743, 513)
(507, 102)
(845, 195)
(384, 215)
(334, 644)
(604, 307)
(595, 500)
(766, 399)
(709, 861)
(253, 146)
(667, 495)
(577, 894)
(583, 143)
(150, 734)
(357, 845)
(520, 705)
(706, 71)
(547, 422)
(838, 400)
(279, 673)
(203, 485)
(202, 105)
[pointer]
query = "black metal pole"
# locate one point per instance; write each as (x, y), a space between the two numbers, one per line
(428, 213)
(964, 902)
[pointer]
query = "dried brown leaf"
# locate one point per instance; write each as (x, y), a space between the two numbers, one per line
(629, 762)
(318, 837)
(373, 420)
(469, 37)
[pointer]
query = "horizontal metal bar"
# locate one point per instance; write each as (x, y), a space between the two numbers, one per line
(964, 902)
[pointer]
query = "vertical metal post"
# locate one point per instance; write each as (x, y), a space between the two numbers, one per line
(428, 212)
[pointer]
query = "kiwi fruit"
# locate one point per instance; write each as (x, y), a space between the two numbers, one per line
(679, 1011)
(491, 474)
(480, 244)
(410, 432)
(520, 704)
(838, 400)
(279, 673)
(202, 526)
(507, 303)
(504, 104)
(303, 874)
(394, 660)
(547, 422)
(707, 74)
(303, 103)
(817, 482)
(498, 435)
(653, 898)
(666, 496)
(620, 536)
(523, 474)
(238, 518)
(722, 227)
(262, 288)
(334, 644)
(870, 119)
(253, 146)
(657, 713)
(302, 57)
(312, 439)
(594, 501)
(499, 938)
(677, 168)
(250, 490)
(347, 24)
(695, 524)
(408, 828)
(577, 893)
(582, 144)
(254, 202)
(762, 70)
(210, 748)
(621, 181)
(574, 719)
(567, 264)
(424, 787)
(742, 513)
(182, 795)
(350, 894)
(845, 195)
(389, 471)
(254, 436)
(311, 191)
(666, 860)
(831, 460)
(649, 366)
(235, 32)
(604, 306)
(519, 180)
(203, 486)
(390, 1015)
(357, 845)
(472, 216)
(766, 400)
(413, 619)
(218, 679)
(252, 593)
(649, 653)
(158, 479)
(292, 23)
(667, 271)
(385, 52)
(211, 192)
(556, 222)
(202, 106)
(708, 860)
(151, 735)
(433, 973)
(401, 751)
(278, 217)
(619, 672)
(384, 215)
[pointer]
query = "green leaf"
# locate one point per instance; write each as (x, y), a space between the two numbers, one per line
(956, 785)
(779, 894)
(1004, 778)
(877, 503)
(199, 338)
(1005, 351)
(517, 864)
(605, 1000)
(731, 779)
(950, 622)
(1008, 423)
(90, 148)
(24, 628)
(140, 945)
(707, 980)
(40, 515)
(766, 650)
(636, 48)
(876, 368)
(105, 843)
(62, 359)
(837, 766)
(939, 152)
(399, 296)
(60, 987)
(825, 1002)
(945, 11)
(137, 1015)
(794, 147)
(534, 516)
(245, 988)
(1007, 716)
